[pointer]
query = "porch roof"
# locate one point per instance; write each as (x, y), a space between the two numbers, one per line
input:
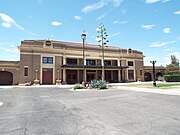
(93, 66)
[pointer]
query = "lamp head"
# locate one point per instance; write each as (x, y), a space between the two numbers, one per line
(83, 35)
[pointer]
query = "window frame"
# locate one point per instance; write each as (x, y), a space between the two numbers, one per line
(26, 71)
(47, 60)
(131, 63)
(131, 74)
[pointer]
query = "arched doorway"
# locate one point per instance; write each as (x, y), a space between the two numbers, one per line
(159, 74)
(147, 76)
(6, 78)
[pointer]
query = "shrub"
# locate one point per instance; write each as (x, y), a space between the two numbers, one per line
(78, 86)
(102, 84)
(161, 78)
(172, 78)
(93, 84)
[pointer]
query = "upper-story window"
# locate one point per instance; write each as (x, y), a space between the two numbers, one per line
(107, 63)
(71, 61)
(90, 62)
(130, 63)
(25, 71)
(47, 60)
(114, 63)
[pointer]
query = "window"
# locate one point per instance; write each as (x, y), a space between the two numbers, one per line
(131, 74)
(140, 72)
(90, 62)
(47, 60)
(130, 63)
(114, 62)
(107, 63)
(71, 61)
(25, 71)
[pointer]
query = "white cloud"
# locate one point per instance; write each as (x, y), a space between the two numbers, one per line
(168, 57)
(100, 4)
(177, 12)
(117, 3)
(166, 30)
(147, 60)
(151, 1)
(165, 1)
(77, 17)
(94, 6)
(8, 21)
(102, 16)
(115, 34)
(7, 25)
(177, 54)
(6, 18)
(147, 26)
(11, 50)
(55, 23)
(154, 1)
(122, 22)
(160, 44)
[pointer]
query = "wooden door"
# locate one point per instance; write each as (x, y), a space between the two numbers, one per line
(47, 76)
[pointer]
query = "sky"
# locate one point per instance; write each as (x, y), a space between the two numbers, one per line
(150, 26)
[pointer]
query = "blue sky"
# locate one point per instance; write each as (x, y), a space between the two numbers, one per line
(150, 26)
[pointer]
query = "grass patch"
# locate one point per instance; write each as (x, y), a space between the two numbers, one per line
(167, 85)
(78, 86)
(161, 86)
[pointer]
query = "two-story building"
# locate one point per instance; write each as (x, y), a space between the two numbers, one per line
(49, 61)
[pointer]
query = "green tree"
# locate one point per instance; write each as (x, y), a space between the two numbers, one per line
(173, 66)
(174, 60)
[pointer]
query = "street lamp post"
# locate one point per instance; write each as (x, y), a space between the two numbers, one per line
(83, 36)
(154, 77)
(36, 74)
(36, 81)
(102, 39)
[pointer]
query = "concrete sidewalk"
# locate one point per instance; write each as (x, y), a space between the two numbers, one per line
(119, 86)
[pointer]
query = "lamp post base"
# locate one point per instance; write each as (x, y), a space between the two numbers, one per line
(154, 84)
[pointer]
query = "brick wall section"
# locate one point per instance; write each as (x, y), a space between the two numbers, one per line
(139, 66)
(58, 62)
(33, 64)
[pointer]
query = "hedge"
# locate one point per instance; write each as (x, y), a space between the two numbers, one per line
(172, 78)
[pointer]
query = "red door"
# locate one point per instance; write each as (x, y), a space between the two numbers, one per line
(71, 76)
(47, 76)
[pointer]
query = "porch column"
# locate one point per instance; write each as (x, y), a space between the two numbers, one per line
(119, 76)
(78, 76)
(96, 75)
(85, 76)
(64, 60)
(64, 75)
(118, 62)
(112, 77)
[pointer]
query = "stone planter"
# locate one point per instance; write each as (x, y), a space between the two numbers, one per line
(58, 82)
(36, 82)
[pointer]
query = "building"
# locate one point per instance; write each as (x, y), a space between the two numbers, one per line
(51, 62)
(148, 72)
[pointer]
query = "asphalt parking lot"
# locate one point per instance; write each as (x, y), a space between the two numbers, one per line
(61, 111)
